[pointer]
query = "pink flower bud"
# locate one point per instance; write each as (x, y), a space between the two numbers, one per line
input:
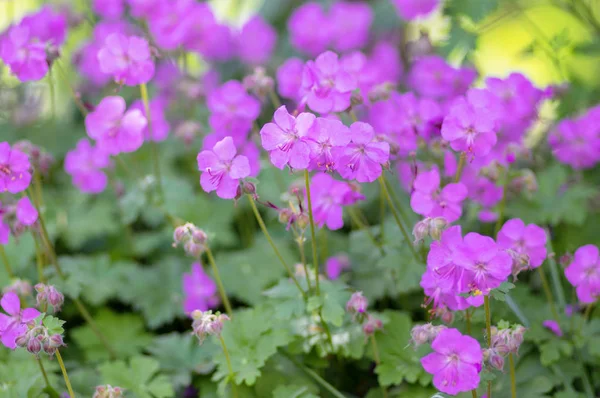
(357, 304)
(437, 225)
(421, 230)
(496, 360)
(34, 346)
(372, 325)
(179, 234)
(207, 324)
(193, 249)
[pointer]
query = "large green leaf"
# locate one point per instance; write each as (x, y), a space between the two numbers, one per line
(139, 377)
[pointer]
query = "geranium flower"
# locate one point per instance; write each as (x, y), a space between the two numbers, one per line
(13, 324)
(15, 168)
(584, 273)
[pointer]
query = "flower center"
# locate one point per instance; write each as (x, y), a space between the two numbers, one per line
(4, 169)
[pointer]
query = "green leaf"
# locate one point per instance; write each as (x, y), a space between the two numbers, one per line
(287, 300)
(398, 362)
(20, 375)
(125, 332)
(252, 337)
(476, 10)
(334, 295)
(246, 274)
(139, 285)
(550, 353)
(139, 378)
(54, 325)
(293, 391)
(180, 356)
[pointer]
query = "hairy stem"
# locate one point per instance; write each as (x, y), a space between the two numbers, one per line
(7, 266)
(397, 218)
(65, 375)
(229, 367)
(263, 227)
(153, 145)
(461, 165)
(502, 201)
(548, 293)
(76, 98)
(513, 379)
(377, 361)
(215, 271)
(313, 237)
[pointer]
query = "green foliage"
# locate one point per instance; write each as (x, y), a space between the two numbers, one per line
(139, 376)
(125, 332)
(476, 10)
(293, 391)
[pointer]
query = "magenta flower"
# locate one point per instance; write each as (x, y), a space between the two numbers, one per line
(326, 86)
(440, 259)
(286, 139)
(289, 78)
(364, 157)
(485, 264)
(15, 169)
(584, 273)
(351, 24)
(14, 325)
(232, 109)
(160, 125)
(85, 164)
(444, 296)
(212, 39)
(328, 197)
(127, 59)
(256, 41)
(327, 137)
(529, 241)
(144, 8)
(412, 9)
(335, 265)
(431, 76)
(169, 22)
(26, 212)
(576, 142)
(222, 169)
(553, 326)
(455, 363)
(47, 26)
(109, 9)
(469, 129)
(428, 200)
(200, 291)
(114, 129)
(25, 56)
(303, 35)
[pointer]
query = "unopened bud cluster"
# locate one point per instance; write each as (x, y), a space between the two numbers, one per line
(424, 334)
(108, 391)
(193, 239)
(207, 324)
(38, 339)
(504, 341)
(49, 295)
(429, 227)
(259, 83)
(19, 287)
(39, 158)
(357, 306)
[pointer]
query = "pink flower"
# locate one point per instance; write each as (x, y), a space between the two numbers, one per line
(47, 26)
(256, 41)
(26, 212)
(304, 35)
(335, 265)
(85, 165)
(289, 78)
(411, 9)
(576, 142)
(327, 87)
(431, 76)
(327, 136)
(15, 169)
(287, 139)
(13, 325)
(351, 24)
(169, 22)
(144, 8)
(159, 124)
(553, 326)
(529, 241)
(455, 363)
(485, 265)
(469, 128)
(25, 56)
(357, 304)
(200, 291)
(584, 273)
(109, 9)
(428, 200)
(232, 109)
(363, 158)
(222, 169)
(115, 129)
(328, 197)
(213, 40)
(127, 59)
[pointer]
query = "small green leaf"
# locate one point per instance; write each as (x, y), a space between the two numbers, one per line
(54, 325)
(139, 378)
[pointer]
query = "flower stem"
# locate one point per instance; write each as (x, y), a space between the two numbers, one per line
(548, 293)
(76, 98)
(503, 201)
(461, 165)
(215, 271)
(468, 321)
(361, 226)
(474, 393)
(7, 266)
(39, 259)
(155, 158)
(88, 318)
(313, 237)
(488, 329)
(229, 367)
(397, 218)
(513, 379)
(558, 287)
(274, 99)
(381, 215)
(263, 227)
(300, 241)
(377, 360)
(65, 375)
(52, 94)
(315, 376)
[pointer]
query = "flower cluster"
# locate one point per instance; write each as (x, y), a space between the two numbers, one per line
(504, 341)
(48, 295)
(108, 391)
(38, 338)
(424, 334)
(526, 244)
(14, 324)
(357, 306)
(15, 218)
(200, 291)
(207, 324)
(193, 238)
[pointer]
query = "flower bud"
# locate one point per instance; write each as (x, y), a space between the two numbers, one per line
(207, 324)
(356, 98)
(192, 248)
(421, 230)
(179, 234)
(34, 346)
(19, 287)
(372, 325)
(258, 83)
(381, 92)
(357, 304)
(422, 334)
(302, 220)
(248, 188)
(187, 131)
(55, 298)
(437, 225)
(496, 360)
(108, 391)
